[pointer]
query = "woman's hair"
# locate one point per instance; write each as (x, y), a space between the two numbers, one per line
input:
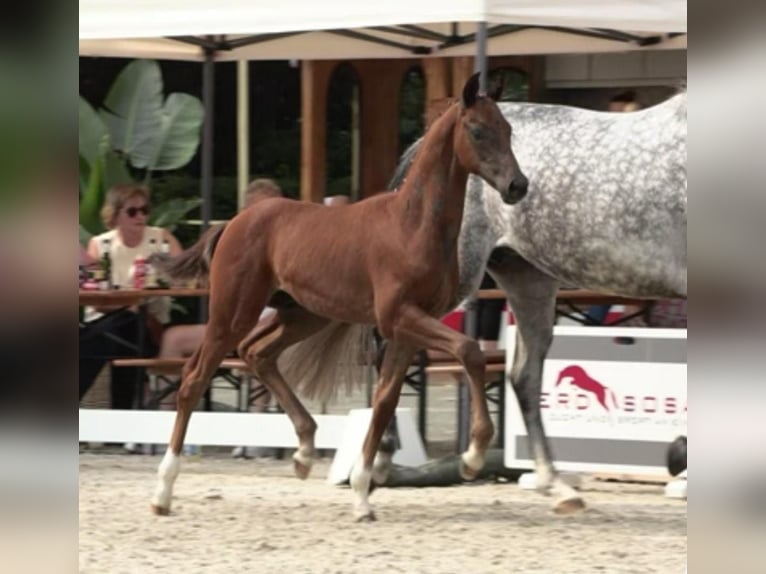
(260, 189)
(117, 197)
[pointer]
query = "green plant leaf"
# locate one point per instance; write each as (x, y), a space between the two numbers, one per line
(115, 171)
(133, 109)
(169, 213)
(92, 132)
(85, 236)
(92, 198)
(178, 137)
(84, 175)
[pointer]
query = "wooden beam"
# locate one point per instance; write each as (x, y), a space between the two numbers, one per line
(315, 77)
(380, 91)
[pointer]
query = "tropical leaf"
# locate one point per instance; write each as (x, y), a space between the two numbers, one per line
(115, 171)
(84, 175)
(93, 197)
(133, 108)
(178, 135)
(85, 236)
(169, 213)
(92, 132)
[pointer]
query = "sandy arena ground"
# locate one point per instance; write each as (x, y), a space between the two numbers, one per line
(232, 516)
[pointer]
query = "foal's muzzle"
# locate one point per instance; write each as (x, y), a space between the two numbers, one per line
(516, 190)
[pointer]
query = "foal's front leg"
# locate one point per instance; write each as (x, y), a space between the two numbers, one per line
(425, 332)
(396, 361)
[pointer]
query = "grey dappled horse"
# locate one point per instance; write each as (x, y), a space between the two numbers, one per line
(605, 210)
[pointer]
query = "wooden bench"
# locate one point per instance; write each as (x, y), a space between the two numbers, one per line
(172, 365)
(232, 369)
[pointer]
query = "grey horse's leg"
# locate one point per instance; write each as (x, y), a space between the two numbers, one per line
(532, 296)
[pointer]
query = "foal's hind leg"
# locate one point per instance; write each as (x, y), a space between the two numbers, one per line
(532, 296)
(196, 377)
(396, 360)
(261, 349)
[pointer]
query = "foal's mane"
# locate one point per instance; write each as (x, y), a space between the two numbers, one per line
(408, 157)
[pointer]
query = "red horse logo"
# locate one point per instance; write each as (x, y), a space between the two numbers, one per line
(580, 379)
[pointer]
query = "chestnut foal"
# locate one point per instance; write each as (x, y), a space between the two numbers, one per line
(390, 260)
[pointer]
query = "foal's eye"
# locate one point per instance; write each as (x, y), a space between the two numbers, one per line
(476, 132)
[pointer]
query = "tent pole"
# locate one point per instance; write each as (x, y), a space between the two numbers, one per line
(480, 64)
(208, 92)
(471, 318)
(243, 130)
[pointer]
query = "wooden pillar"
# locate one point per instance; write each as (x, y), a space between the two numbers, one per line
(315, 78)
(462, 69)
(380, 86)
(438, 76)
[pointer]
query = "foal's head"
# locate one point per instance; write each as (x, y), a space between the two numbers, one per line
(483, 143)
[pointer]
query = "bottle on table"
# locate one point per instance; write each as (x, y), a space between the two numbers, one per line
(165, 250)
(105, 279)
(150, 271)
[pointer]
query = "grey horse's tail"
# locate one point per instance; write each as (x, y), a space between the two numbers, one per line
(193, 263)
(676, 456)
(337, 358)
(404, 165)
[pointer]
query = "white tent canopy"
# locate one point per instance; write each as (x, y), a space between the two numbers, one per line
(342, 29)
(210, 30)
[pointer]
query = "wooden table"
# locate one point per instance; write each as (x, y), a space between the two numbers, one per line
(121, 298)
(130, 297)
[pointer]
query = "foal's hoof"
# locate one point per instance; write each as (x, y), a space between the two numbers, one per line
(367, 517)
(471, 463)
(160, 510)
(569, 506)
(467, 473)
(302, 470)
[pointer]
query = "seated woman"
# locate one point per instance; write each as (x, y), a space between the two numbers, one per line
(112, 332)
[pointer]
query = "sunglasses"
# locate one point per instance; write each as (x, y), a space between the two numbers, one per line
(133, 211)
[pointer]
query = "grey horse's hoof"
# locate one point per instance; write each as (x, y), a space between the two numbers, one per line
(569, 506)
(160, 510)
(368, 517)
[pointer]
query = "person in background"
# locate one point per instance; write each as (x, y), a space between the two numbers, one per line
(624, 102)
(183, 340)
(125, 213)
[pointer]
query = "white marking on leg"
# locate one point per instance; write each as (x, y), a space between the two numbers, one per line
(303, 456)
(473, 458)
(381, 467)
(360, 484)
(543, 474)
(166, 473)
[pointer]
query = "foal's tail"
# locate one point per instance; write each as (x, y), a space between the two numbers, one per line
(193, 263)
(339, 357)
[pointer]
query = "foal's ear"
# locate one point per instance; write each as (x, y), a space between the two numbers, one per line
(470, 91)
(497, 90)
